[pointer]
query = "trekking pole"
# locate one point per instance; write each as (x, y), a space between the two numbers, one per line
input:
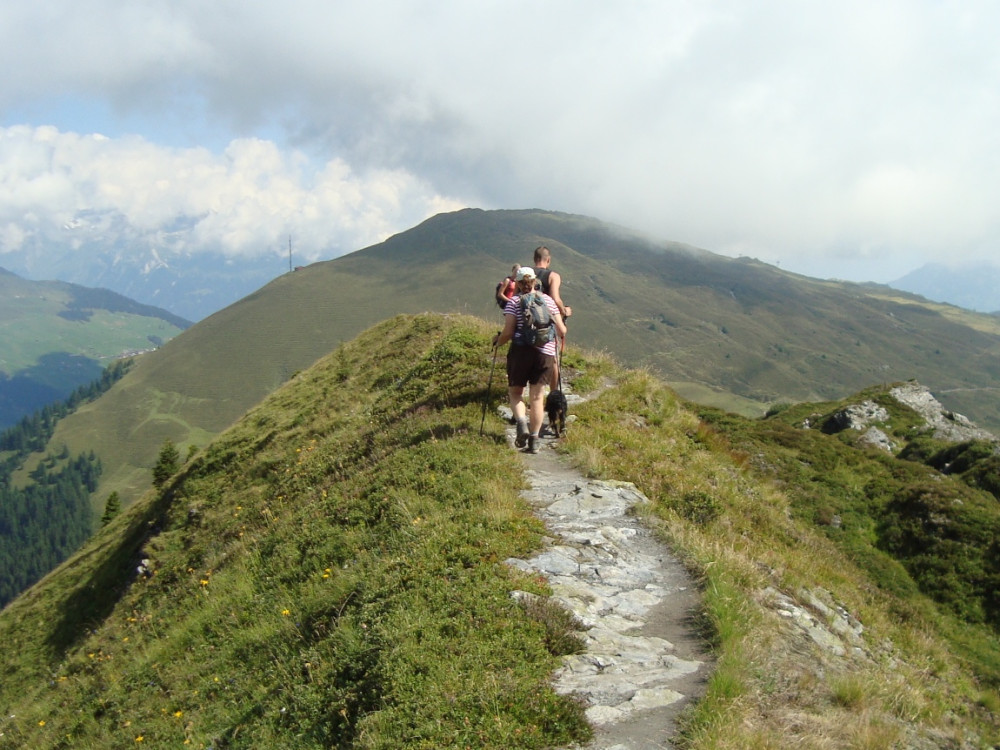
(562, 348)
(489, 388)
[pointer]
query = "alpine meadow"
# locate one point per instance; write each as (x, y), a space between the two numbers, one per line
(326, 566)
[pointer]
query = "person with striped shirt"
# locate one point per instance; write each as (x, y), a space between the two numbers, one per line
(528, 366)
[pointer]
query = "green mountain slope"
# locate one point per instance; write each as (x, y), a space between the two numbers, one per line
(329, 572)
(710, 325)
(55, 337)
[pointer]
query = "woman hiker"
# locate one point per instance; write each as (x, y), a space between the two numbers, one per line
(528, 365)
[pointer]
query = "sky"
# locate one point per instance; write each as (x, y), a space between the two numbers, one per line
(856, 140)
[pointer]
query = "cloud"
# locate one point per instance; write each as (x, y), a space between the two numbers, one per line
(790, 131)
(66, 187)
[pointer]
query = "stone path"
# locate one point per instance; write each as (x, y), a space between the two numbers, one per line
(643, 661)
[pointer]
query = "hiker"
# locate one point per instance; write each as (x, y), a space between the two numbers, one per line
(507, 288)
(550, 282)
(528, 365)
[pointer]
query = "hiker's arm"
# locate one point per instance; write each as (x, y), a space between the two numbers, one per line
(560, 326)
(509, 324)
(555, 280)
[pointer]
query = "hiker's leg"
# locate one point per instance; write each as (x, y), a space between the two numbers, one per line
(536, 403)
(515, 394)
(518, 373)
(518, 368)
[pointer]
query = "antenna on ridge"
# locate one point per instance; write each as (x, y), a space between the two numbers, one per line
(289, 253)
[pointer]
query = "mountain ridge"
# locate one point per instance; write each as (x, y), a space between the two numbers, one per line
(190, 285)
(738, 333)
(329, 572)
(59, 336)
(973, 287)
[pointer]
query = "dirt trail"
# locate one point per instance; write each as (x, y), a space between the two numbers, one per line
(644, 662)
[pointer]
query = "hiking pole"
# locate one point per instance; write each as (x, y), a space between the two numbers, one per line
(562, 348)
(489, 388)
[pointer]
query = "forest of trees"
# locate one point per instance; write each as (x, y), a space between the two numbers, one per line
(42, 524)
(46, 521)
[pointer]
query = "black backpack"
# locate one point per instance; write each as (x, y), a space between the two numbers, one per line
(535, 327)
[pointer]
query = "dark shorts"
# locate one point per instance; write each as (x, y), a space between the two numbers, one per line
(526, 364)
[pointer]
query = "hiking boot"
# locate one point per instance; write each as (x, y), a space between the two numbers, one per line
(522, 435)
(532, 443)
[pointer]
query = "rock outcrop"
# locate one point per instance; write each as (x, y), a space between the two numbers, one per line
(947, 425)
(870, 418)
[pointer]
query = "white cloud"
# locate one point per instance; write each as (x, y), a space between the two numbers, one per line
(245, 201)
(791, 131)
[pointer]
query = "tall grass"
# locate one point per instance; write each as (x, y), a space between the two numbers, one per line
(329, 573)
(725, 511)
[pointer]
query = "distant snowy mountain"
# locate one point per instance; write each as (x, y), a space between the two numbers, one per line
(975, 287)
(192, 286)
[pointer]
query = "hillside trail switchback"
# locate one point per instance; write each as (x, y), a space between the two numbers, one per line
(644, 661)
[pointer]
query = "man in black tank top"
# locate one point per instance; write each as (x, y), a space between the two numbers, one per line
(550, 281)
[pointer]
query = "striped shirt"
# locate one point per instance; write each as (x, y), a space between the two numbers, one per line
(514, 308)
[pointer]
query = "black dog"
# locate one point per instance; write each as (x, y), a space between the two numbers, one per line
(555, 407)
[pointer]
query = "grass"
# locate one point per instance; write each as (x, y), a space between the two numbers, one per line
(32, 330)
(329, 573)
(723, 507)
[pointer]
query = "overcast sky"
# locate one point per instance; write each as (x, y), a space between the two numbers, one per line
(849, 139)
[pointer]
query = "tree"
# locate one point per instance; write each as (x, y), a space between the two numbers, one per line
(112, 507)
(167, 463)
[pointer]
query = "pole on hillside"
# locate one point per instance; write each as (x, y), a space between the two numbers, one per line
(289, 253)
(489, 388)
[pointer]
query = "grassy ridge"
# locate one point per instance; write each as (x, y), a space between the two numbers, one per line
(40, 318)
(327, 574)
(719, 326)
(55, 337)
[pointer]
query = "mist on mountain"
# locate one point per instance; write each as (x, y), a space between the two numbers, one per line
(974, 287)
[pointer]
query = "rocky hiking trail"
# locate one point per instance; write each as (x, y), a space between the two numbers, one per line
(644, 661)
